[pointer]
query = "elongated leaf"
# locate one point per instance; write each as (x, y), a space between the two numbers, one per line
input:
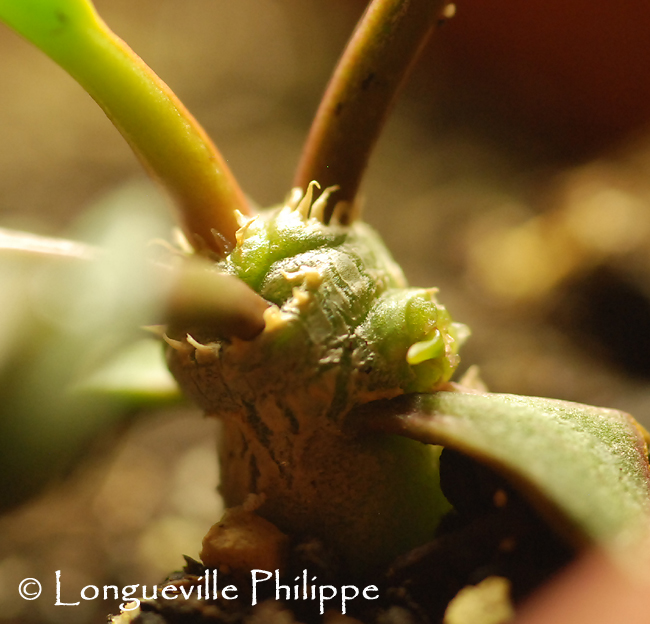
(584, 468)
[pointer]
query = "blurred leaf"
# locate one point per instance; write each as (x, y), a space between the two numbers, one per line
(62, 319)
(137, 375)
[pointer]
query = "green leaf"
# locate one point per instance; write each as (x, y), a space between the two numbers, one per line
(68, 309)
(584, 468)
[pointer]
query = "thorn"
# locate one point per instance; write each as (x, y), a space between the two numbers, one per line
(204, 353)
(181, 241)
(177, 345)
(311, 276)
(318, 207)
(294, 197)
(305, 203)
(274, 318)
(157, 330)
(197, 345)
(241, 219)
(240, 234)
(299, 298)
(293, 276)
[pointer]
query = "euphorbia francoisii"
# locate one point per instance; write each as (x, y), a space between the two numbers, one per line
(299, 330)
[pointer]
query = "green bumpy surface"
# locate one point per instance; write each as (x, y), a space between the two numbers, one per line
(338, 296)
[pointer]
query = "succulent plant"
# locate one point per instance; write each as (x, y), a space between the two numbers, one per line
(296, 327)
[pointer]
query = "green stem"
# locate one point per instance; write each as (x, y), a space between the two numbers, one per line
(360, 94)
(162, 133)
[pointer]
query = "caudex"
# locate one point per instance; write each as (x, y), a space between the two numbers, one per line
(296, 327)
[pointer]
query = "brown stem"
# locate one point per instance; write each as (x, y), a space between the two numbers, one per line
(375, 64)
(204, 298)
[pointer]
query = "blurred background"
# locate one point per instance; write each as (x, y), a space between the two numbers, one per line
(513, 175)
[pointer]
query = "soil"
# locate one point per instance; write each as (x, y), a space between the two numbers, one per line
(492, 532)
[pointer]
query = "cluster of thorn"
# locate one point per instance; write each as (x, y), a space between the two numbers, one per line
(344, 212)
(302, 204)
